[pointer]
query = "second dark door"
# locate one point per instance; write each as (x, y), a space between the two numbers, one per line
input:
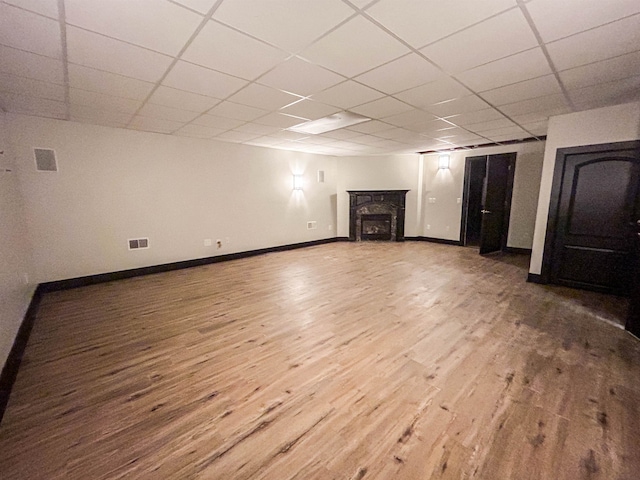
(496, 202)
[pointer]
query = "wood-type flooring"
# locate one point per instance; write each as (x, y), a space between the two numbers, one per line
(350, 361)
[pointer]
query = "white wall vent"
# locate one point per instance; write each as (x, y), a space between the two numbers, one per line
(320, 176)
(311, 225)
(136, 243)
(45, 160)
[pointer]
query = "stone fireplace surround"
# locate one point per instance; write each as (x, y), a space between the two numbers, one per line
(376, 215)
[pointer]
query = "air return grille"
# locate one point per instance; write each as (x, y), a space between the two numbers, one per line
(45, 160)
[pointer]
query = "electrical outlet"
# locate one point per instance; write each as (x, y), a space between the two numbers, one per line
(428, 227)
(207, 242)
(25, 278)
(447, 228)
(459, 201)
(330, 227)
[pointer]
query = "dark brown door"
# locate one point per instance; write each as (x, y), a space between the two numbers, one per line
(496, 200)
(597, 221)
(633, 318)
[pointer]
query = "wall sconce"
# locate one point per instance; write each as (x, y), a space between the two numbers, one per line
(443, 161)
(297, 182)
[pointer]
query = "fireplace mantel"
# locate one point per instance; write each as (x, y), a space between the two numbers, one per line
(383, 209)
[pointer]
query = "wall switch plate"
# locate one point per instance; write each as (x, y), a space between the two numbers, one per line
(459, 201)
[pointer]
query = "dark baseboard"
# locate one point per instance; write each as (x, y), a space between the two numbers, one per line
(534, 278)
(166, 267)
(443, 241)
(11, 366)
(342, 239)
(518, 251)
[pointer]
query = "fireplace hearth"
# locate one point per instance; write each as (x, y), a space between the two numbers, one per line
(376, 215)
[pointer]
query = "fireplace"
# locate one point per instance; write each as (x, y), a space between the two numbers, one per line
(376, 215)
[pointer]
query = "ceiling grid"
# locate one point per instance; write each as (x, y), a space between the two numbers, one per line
(431, 75)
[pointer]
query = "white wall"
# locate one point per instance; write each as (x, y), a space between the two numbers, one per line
(392, 172)
(604, 125)
(442, 219)
(15, 293)
(114, 184)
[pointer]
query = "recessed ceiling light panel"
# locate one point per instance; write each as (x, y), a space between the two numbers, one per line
(327, 124)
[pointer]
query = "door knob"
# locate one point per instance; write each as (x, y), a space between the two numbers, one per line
(485, 211)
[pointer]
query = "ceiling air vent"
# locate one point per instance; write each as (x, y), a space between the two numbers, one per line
(45, 160)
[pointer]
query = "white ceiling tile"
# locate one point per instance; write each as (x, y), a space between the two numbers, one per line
(466, 104)
(222, 123)
(237, 111)
(29, 31)
(401, 74)
(288, 24)
(555, 19)
(236, 137)
(280, 120)
(549, 103)
(373, 126)
(167, 113)
(13, 103)
(362, 3)
(490, 125)
(257, 129)
(610, 93)
(160, 26)
(533, 117)
(171, 97)
(90, 114)
(482, 43)
(310, 109)
(384, 107)
(32, 88)
(347, 94)
(30, 65)
(151, 124)
(354, 48)
(300, 77)
(97, 51)
(202, 6)
(471, 118)
(266, 98)
(513, 69)
(600, 43)
(103, 102)
(600, 72)
(410, 118)
(342, 134)
(221, 48)
(198, 131)
(43, 7)
(98, 81)
(434, 92)
(265, 141)
(537, 128)
(420, 22)
(537, 87)
(287, 135)
(429, 127)
(197, 79)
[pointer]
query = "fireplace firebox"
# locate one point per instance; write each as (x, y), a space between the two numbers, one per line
(376, 215)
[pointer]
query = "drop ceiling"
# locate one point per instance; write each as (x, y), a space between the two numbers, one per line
(431, 74)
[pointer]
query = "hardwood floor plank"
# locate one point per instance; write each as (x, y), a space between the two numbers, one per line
(342, 361)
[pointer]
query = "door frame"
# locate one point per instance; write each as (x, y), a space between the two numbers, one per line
(508, 198)
(556, 190)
